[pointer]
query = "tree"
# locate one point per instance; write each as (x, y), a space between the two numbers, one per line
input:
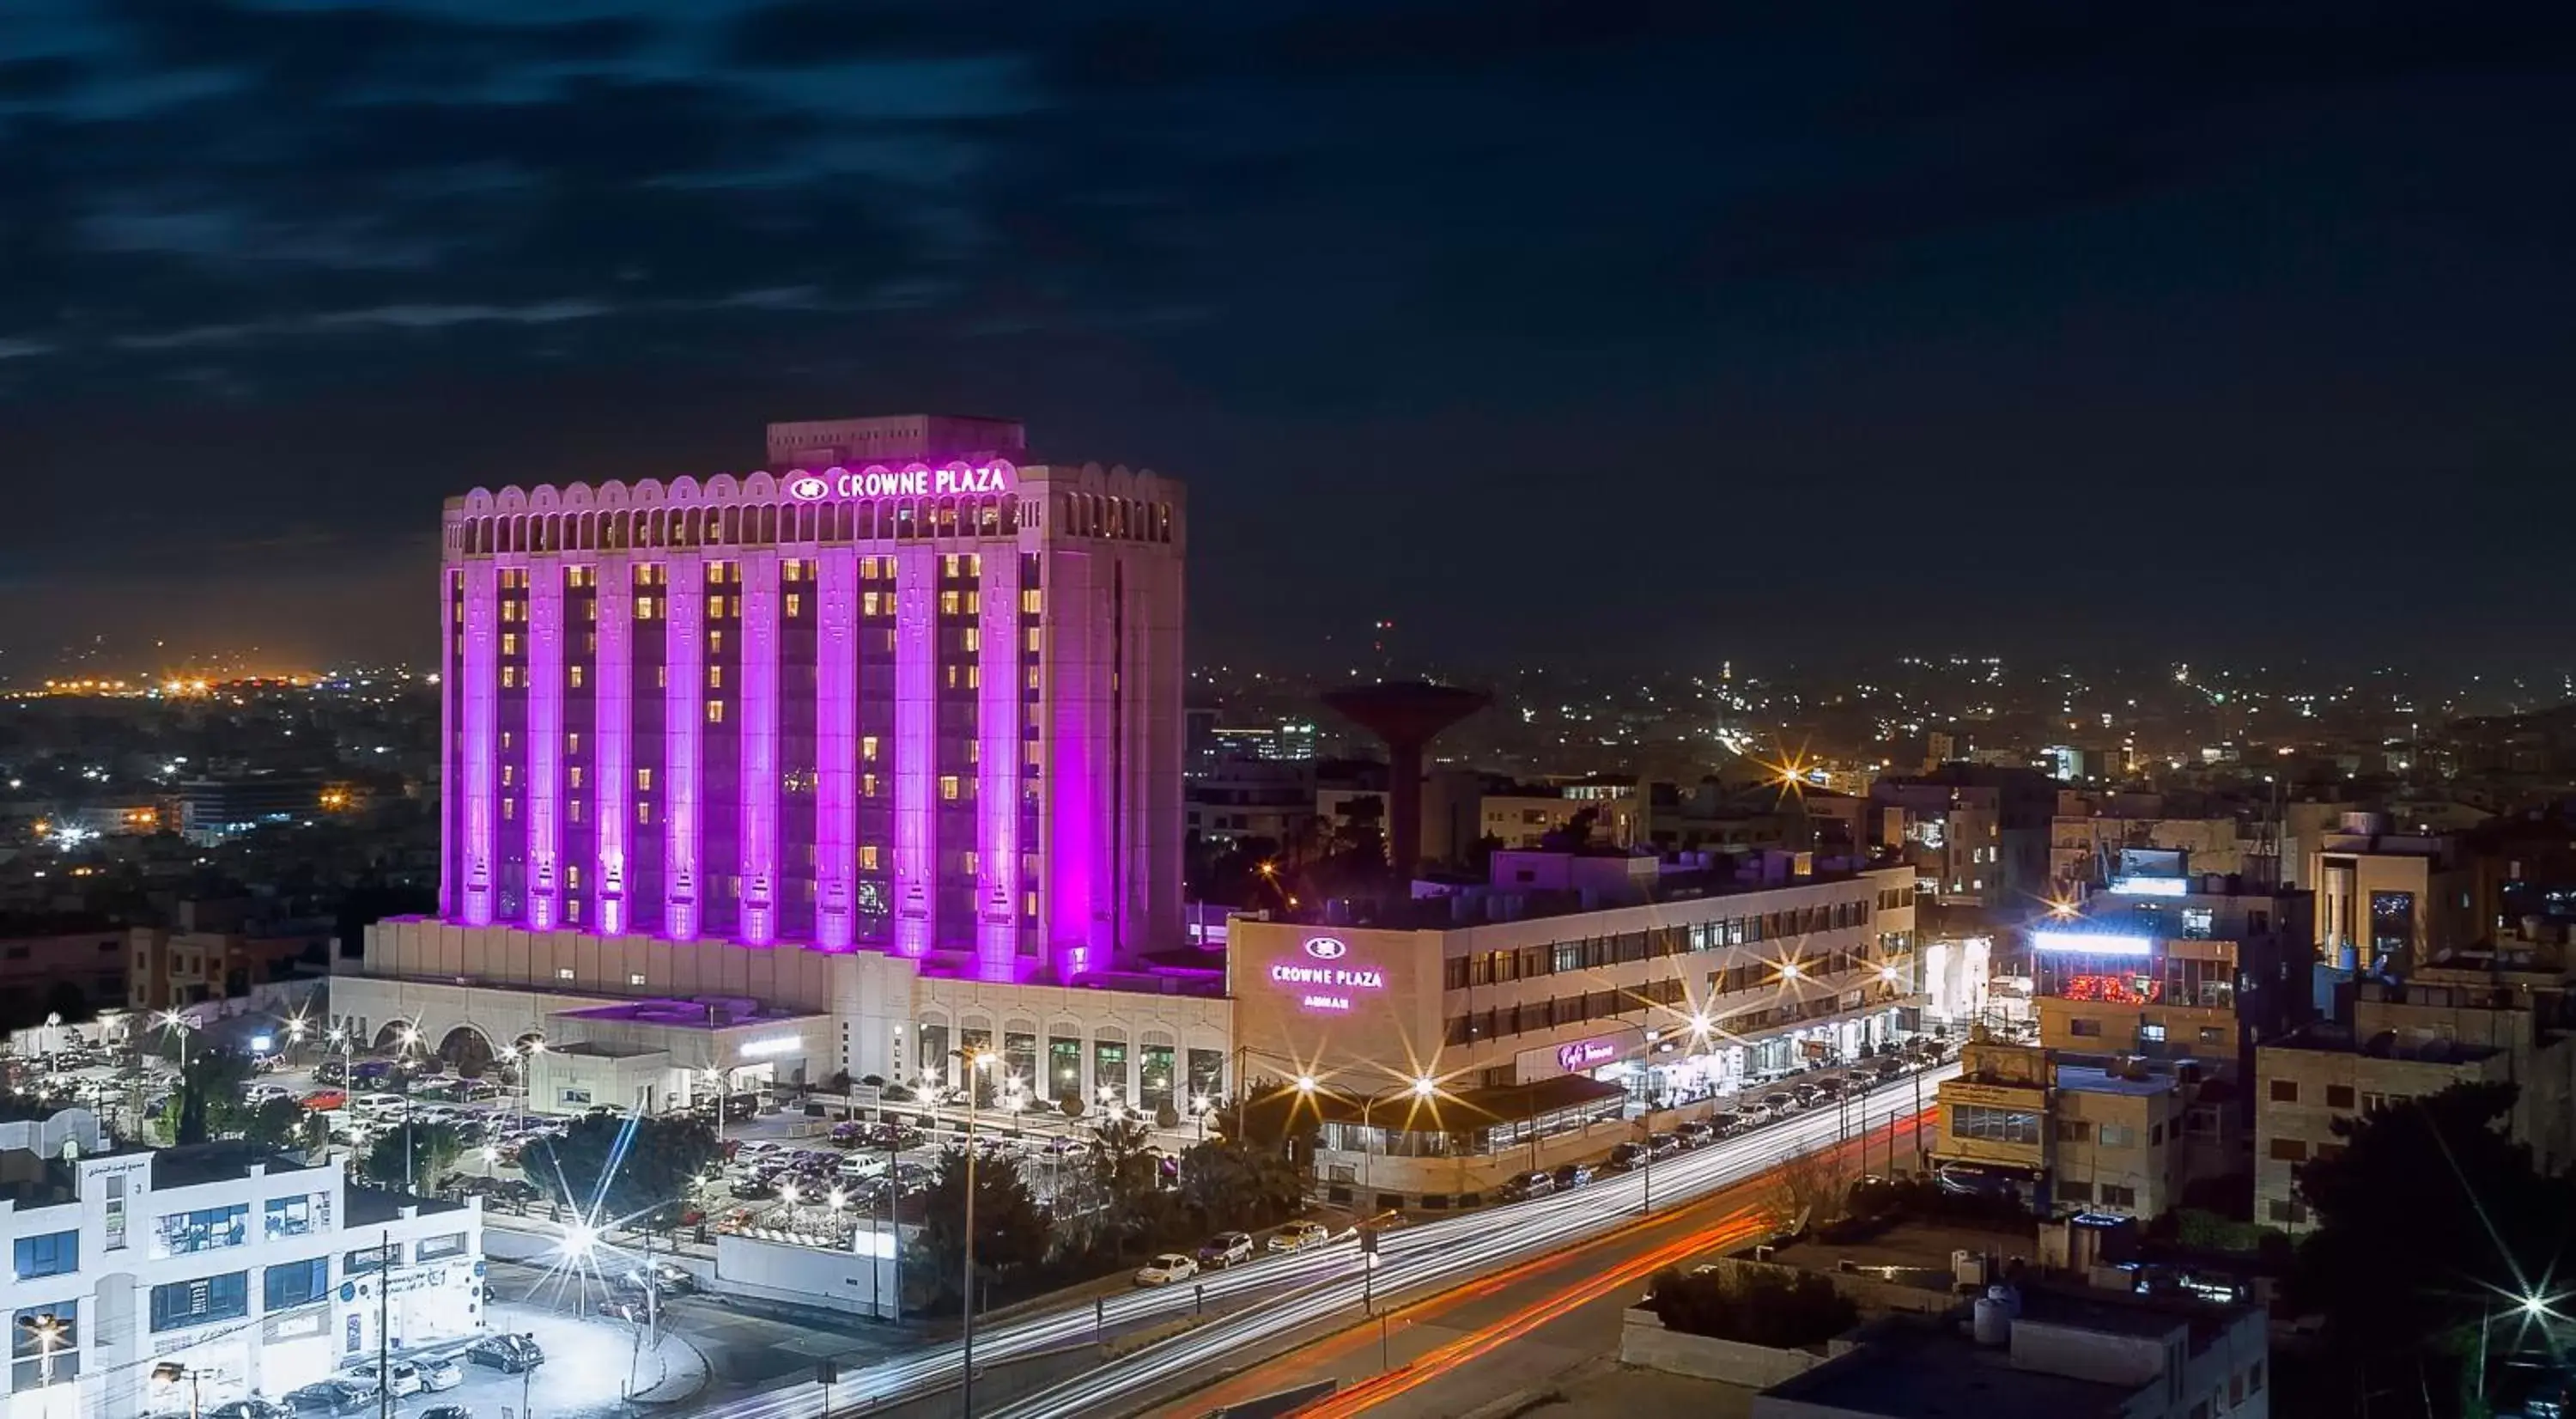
(1779, 1308)
(2431, 1223)
(1011, 1234)
(210, 1095)
(434, 1149)
(1230, 1182)
(625, 1170)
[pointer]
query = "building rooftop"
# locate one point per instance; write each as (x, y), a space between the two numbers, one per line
(195, 1164)
(2084, 1079)
(2329, 1037)
(373, 1207)
(698, 1013)
(1596, 882)
(1930, 1371)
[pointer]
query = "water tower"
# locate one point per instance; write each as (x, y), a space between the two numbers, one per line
(1406, 716)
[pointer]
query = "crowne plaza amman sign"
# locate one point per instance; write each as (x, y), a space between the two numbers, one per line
(1327, 984)
(916, 482)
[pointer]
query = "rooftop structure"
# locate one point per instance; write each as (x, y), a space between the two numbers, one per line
(1407, 717)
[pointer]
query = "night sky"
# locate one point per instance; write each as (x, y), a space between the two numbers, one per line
(1582, 331)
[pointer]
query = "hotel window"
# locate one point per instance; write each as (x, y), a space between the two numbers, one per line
(572, 875)
(1036, 639)
(948, 787)
(509, 677)
(950, 603)
(573, 775)
(572, 911)
(572, 810)
(643, 815)
(791, 572)
(974, 639)
(1029, 752)
(583, 577)
(966, 862)
(590, 640)
(948, 565)
(1031, 602)
(509, 775)
(572, 742)
(868, 747)
(715, 711)
(1029, 904)
(644, 780)
(715, 677)
(867, 857)
(574, 674)
(509, 642)
(590, 610)
(868, 603)
(643, 608)
(1033, 677)
(635, 979)
(509, 810)
(661, 677)
(795, 603)
(561, 973)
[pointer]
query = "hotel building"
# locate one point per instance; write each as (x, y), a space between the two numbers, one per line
(1569, 992)
(834, 769)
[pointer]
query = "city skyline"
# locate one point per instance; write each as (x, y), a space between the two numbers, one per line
(2157, 314)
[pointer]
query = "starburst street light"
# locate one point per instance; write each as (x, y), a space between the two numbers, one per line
(1425, 1086)
(578, 1241)
(1305, 1083)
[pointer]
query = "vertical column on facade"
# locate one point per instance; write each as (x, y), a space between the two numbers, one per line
(482, 736)
(836, 749)
(916, 748)
(1076, 808)
(758, 832)
(612, 755)
(451, 669)
(545, 741)
(997, 763)
(683, 728)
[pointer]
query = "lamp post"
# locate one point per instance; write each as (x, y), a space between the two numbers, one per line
(49, 1332)
(410, 1036)
(975, 1060)
(170, 1372)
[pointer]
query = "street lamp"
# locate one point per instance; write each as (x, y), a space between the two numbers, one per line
(50, 1332)
(975, 1059)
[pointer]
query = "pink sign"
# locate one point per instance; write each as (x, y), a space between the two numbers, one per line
(1325, 987)
(1586, 1054)
(914, 482)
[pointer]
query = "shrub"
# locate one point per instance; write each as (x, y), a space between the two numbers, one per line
(1778, 1308)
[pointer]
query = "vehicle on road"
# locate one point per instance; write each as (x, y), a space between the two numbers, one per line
(330, 1397)
(404, 1378)
(664, 1278)
(1297, 1236)
(1526, 1186)
(1225, 1249)
(509, 1353)
(1163, 1270)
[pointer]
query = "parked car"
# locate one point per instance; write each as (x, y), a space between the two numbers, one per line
(1573, 1175)
(1664, 1145)
(440, 1372)
(1781, 1103)
(331, 1071)
(1697, 1133)
(1811, 1094)
(1163, 1270)
(320, 1100)
(1526, 1186)
(377, 1105)
(446, 1411)
(1297, 1236)
(665, 1278)
(330, 1397)
(1225, 1249)
(1625, 1157)
(1726, 1123)
(508, 1353)
(252, 1408)
(402, 1377)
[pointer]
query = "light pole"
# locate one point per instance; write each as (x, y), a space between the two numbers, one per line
(170, 1372)
(49, 1332)
(410, 1036)
(975, 1059)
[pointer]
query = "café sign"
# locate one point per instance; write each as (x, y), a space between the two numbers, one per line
(1587, 1054)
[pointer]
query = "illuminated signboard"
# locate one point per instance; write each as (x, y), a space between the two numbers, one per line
(1325, 987)
(1327, 948)
(914, 482)
(2150, 887)
(1586, 1054)
(2092, 943)
(775, 1044)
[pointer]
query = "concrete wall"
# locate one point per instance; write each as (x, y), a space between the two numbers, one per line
(807, 1276)
(1643, 1340)
(1874, 1297)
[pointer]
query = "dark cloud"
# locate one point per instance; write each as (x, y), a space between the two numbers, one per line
(1894, 274)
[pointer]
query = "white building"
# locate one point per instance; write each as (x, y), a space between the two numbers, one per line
(250, 1272)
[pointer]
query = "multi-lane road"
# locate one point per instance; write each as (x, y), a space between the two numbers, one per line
(1307, 1290)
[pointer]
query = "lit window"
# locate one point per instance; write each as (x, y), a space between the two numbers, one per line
(644, 780)
(643, 608)
(974, 676)
(1031, 602)
(572, 911)
(790, 572)
(563, 973)
(1029, 751)
(572, 876)
(509, 676)
(509, 810)
(974, 751)
(867, 785)
(572, 742)
(715, 606)
(715, 642)
(1033, 677)
(974, 564)
(948, 565)
(715, 711)
(509, 642)
(1037, 635)
(576, 677)
(867, 857)
(1029, 904)
(661, 677)
(572, 810)
(974, 602)
(795, 602)
(574, 774)
(715, 574)
(635, 978)
(715, 677)
(868, 603)
(590, 610)
(974, 638)
(643, 815)
(948, 787)
(505, 739)
(868, 747)
(968, 861)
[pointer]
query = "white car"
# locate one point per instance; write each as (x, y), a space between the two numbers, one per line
(377, 1104)
(1299, 1235)
(262, 1093)
(1163, 1270)
(406, 1378)
(441, 1373)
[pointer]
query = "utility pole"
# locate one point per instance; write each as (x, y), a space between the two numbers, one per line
(384, 1319)
(974, 1061)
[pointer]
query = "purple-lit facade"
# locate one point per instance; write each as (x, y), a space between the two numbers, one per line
(915, 695)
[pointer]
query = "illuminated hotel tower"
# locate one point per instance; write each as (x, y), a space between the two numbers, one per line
(909, 696)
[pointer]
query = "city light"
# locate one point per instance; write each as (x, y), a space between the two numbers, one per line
(2150, 887)
(1425, 1087)
(1305, 1083)
(2092, 943)
(579, 1239)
